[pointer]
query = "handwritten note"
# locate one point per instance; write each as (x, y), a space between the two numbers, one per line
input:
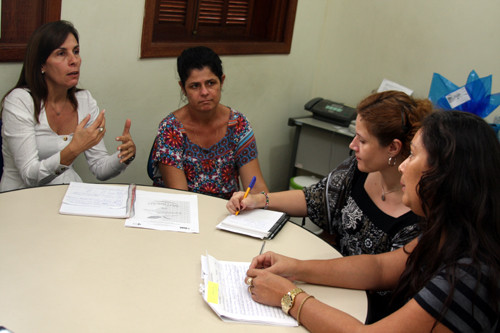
(234, 300)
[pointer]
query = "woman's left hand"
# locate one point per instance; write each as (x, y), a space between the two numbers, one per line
(268, 288)
(127, 148)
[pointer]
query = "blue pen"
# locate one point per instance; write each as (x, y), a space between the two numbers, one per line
(250, 187)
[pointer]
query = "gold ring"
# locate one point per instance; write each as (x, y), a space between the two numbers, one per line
(250, 289)
(249, 281)
(101, 129)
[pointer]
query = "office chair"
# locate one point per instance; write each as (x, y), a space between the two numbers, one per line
(1, 155)
(149, 166)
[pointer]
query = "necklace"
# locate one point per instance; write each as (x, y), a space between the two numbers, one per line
(61, 110)
(384, 192)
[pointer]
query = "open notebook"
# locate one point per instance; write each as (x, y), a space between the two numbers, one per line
(257, 223)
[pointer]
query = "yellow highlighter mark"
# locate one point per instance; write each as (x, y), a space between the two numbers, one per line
(213, 292)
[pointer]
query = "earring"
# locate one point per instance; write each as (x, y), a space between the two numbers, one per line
(43, 72)
(392, 161)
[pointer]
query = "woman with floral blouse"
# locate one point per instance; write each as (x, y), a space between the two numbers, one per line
(204, 146)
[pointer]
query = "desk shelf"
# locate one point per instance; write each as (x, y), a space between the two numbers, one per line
(318, 146)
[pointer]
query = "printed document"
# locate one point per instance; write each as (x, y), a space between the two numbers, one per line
(165, 211)
(225, 291)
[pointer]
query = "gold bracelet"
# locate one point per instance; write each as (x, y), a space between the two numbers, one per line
(300, 307)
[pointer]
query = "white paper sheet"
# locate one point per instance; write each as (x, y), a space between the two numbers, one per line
(232, 301)
(458, 97)
(390, 85)
(164, 211)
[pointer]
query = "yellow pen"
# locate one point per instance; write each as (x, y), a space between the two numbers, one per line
(252, 183)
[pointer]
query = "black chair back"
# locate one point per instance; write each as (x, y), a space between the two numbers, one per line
(1, 155)
(150, 162)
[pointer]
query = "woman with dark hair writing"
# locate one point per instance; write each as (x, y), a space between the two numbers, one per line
(360, 202)
(447, 280)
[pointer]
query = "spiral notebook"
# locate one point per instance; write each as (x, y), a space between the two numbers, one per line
(258, 223)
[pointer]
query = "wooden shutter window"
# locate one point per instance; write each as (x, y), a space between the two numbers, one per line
(238, 13)
(227, 26)
(172, 11)
(211, 12)
(19, 19)
(206, 20)
(232, 12)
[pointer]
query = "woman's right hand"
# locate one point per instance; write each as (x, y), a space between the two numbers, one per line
(272, 276)
(275, 263)
(87, 137)
(252, 201)
(84, 138)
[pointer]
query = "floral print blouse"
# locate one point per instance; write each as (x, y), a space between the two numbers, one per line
(214, 170)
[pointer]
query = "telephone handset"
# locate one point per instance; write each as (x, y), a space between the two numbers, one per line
(330, 111)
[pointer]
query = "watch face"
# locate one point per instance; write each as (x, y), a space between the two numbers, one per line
(288, 299)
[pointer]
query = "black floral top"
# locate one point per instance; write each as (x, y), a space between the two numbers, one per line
(347, 212)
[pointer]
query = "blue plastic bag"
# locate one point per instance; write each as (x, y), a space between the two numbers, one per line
(475, 96)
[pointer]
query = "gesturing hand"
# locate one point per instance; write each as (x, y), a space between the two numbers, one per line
(127, 148)
(87, 137)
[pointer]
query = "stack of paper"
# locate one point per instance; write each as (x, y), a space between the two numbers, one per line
(225, 291)
(257, 223)
(101, 200)
(143, 209)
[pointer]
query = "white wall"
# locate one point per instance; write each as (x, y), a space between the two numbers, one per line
(341, 49)
(406, 41)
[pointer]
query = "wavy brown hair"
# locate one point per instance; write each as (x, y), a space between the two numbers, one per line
(393, 115)
(460, 195)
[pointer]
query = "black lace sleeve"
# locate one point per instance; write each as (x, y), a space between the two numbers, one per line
(325, 199)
